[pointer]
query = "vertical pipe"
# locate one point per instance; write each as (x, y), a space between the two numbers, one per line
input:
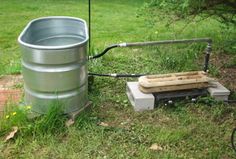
(207, 56)
(89, 19)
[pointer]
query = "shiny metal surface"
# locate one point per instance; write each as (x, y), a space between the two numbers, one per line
(54, 63)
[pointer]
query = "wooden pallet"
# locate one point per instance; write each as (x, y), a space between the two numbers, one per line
(174, 81)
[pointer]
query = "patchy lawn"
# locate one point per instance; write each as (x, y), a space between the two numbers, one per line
(111, 129)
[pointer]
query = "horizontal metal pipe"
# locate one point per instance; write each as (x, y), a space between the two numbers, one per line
(149, 43)
(152, 43)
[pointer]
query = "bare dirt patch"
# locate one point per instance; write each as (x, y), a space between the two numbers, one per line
(10, 89)
(227, 74)
(10, 82)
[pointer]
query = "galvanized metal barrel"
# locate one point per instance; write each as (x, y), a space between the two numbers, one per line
(54, 63)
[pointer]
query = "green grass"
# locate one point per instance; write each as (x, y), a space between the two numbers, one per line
(183, 131)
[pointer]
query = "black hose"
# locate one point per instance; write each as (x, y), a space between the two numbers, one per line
(230, 101)
(97, 74)
(104, 51)
(233, 139)
(116, 75)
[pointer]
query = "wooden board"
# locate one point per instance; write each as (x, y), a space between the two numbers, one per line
(174, 79)
(173, 88)
(75, 114)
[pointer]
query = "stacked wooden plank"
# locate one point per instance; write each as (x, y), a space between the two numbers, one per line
(174, 82)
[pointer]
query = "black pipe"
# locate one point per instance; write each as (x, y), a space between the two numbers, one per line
(230, 101)
(207, 56)
(104, 51)
(233, 139)
(97, 74)
(117, 75)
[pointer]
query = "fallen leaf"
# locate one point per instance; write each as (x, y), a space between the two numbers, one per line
(12, 133)
(156, 147)
(69, 122)
(103, 124)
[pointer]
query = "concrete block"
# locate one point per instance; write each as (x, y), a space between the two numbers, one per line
(139, 100)
(219, 92)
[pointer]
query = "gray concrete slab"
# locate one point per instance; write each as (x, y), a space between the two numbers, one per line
(139, 100)
(219, 92)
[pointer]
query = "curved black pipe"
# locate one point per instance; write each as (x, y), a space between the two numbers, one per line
(233, 139)
(104, 51)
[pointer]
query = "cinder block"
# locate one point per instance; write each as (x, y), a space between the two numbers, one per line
(219, 92)
(139, 100)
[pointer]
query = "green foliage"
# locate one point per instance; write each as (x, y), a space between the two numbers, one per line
(232, 95)
(208, 101)
(169, 20)
(231, 63)
(13, 116)
(224, 11)
(53, 122)
(180, 60)
(214, 71)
